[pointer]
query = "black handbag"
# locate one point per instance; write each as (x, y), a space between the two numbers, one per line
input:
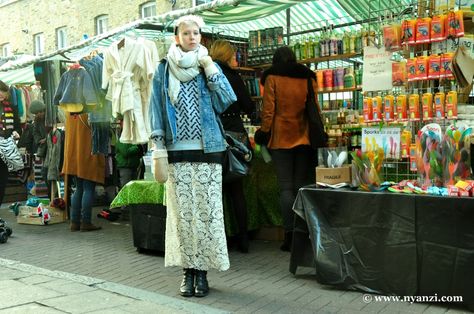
(317, 135)
(237, 159)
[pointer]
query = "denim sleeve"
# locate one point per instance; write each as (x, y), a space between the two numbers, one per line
(88, 90)
(156, 109)
(59, 91)
(222, 94)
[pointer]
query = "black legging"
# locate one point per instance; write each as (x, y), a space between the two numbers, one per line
(3, 179)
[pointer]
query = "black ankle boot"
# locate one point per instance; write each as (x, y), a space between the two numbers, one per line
(187, 285)
(286, 246)
(202, 286)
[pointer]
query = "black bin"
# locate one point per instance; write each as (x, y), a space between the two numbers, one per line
(148, 226)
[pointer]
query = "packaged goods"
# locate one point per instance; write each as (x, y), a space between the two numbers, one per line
(411, 69)
(427, 106)
(423, 30)
(446, 72)
(408, 32)
(392, 37)
(377, 109)
(389, 108)
(422, 64)
(439, 105)
(414, 107)
(402, 114)
(455, 23)
(367, 109)
(399, 73)
(452, 105)
(438, 28)
(434, 70)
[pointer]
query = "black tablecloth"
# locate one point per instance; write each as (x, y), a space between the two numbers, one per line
(388, 243)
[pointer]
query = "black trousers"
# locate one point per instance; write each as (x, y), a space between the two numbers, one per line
(234, 191)
(3, 179)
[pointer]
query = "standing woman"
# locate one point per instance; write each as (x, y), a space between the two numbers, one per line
(224, 55)
(284, 130)
(189, 92)
(9, 124)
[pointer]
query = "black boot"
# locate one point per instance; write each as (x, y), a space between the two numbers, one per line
(202, 286)
(187, 285)
(286, 246)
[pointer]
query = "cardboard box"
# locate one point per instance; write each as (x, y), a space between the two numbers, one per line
(333, 175)
(29, 215)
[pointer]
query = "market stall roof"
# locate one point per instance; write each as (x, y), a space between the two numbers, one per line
(237, 16)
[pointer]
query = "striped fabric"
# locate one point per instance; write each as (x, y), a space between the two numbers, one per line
(19, 76)
(236, 18)
(304, 15)
(363, 9)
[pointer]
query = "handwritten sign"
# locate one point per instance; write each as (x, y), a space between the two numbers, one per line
(387, 138)
(377, 73)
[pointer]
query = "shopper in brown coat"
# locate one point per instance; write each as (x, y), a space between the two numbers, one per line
(284, 130)
(89, 169)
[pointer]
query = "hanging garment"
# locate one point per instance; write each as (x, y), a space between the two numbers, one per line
(126, 72)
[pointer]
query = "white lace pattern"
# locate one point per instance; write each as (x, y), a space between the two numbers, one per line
(195, 232)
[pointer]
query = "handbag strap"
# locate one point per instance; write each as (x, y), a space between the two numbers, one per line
(309, 82)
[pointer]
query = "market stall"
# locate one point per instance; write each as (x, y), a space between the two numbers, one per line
(388, 243)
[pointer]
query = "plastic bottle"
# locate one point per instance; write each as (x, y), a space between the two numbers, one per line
(349, 80)
(316, 48)
(297, 49)
(303, 49)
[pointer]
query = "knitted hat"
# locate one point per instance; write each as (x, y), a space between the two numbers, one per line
(37, 106)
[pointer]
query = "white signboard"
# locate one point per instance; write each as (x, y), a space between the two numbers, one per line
(377, 73)
(387, 138)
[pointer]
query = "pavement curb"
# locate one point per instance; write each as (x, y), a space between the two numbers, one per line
(120, 289)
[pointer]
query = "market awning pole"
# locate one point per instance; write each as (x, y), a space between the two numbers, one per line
(288, 23)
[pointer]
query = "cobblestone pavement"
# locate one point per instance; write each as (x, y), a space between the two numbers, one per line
(257, 282)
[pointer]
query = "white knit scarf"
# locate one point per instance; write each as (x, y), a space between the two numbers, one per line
(184, 66)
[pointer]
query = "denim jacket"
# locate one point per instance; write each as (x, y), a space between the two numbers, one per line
(214, 98)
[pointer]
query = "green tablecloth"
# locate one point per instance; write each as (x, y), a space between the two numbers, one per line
(261, 194)
(140, 192)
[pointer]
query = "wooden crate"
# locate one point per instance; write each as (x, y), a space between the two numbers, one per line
(28, 215)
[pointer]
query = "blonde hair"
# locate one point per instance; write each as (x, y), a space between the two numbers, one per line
(221, 50)
(187, 20)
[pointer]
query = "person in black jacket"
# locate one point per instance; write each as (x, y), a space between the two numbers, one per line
(9, 124)
(224, 55)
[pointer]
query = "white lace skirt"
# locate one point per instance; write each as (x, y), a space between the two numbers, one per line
(195, 232)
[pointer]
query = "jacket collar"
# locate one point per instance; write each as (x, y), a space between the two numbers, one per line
(290, 69)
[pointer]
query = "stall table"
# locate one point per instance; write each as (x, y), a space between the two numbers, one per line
(386, 243)
(145, 201)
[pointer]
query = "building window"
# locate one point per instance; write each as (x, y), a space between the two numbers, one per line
(61, 38)
(39, 43)
(101, 24)
(148, 9)
(6, 50)
(198, 2)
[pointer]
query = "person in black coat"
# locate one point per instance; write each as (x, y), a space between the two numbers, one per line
(224, 55)
(9, 125)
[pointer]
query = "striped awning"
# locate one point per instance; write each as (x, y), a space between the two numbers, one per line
(254, 15)
(365, 9)
(23, 75)
(237, 18)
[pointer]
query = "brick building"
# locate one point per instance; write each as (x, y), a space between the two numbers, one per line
(42, 26)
